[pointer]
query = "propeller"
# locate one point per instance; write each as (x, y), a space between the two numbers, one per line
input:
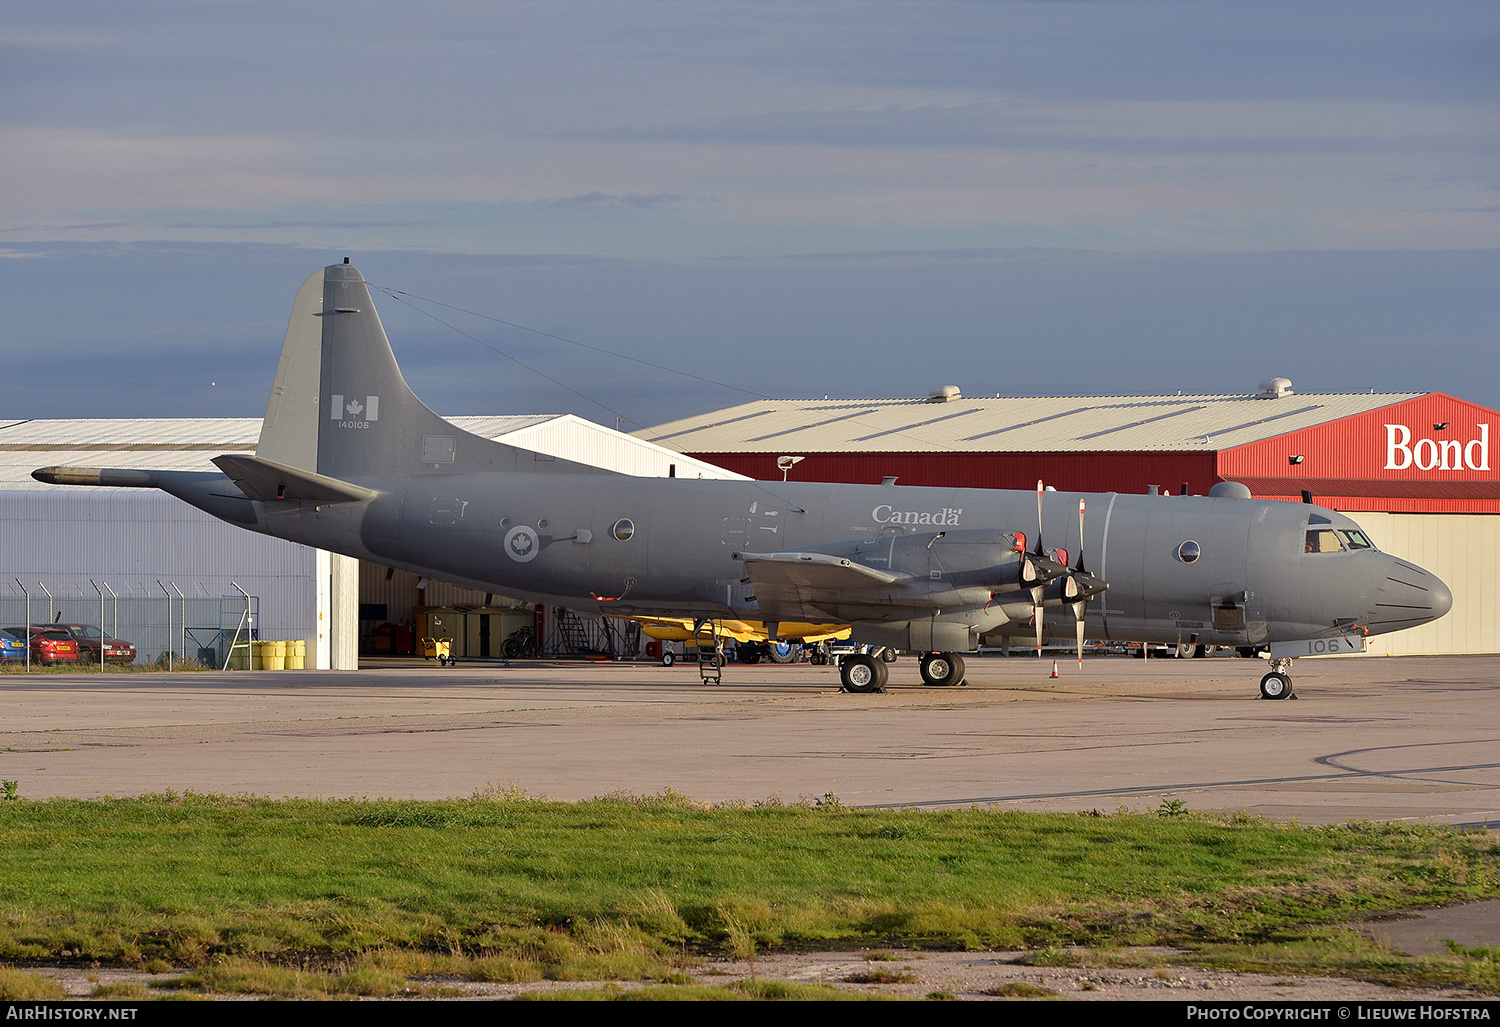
(1081, 586)
(1038, 567)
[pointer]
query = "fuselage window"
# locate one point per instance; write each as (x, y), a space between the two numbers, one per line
(1322, 540)
(623, 529)
(1189, 551)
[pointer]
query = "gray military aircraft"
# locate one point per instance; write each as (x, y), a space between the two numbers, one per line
(351, 461)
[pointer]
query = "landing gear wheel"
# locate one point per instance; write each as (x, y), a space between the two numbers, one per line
(668, 657)
(1275, 685)
(783, 652)
(817, 658)
(942, 669)
(861, 673)
(888, 655)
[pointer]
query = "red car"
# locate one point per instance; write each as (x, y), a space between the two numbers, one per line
(89, 638)
(49, 643)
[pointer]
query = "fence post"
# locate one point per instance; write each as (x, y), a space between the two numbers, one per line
(249, 639)
(101, 624)
(114, 618)
(169, 623)
(184, 618)
(27, 632)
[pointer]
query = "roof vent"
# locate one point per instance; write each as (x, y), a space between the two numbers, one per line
(944, 394)
(1275, 388)
(1230, 490)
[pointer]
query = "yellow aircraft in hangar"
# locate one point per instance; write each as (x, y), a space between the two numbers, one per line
(755, 640)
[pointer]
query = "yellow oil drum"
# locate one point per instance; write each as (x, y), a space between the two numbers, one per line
(296, 654)
(270, 655)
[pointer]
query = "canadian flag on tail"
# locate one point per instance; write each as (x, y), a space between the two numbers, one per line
(354, 410)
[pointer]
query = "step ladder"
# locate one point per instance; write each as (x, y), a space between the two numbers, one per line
(710, 652)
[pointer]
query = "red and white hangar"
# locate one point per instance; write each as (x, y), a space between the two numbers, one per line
(1416, 470)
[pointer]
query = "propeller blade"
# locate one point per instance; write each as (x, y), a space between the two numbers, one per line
(1080, 535)
(1076, 579)
(1036, 600)
(1039, 549)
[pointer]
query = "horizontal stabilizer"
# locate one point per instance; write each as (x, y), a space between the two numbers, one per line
(270, 482)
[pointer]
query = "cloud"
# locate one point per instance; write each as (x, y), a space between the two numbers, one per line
(636, 201)
(304, 223)
(1199, 127)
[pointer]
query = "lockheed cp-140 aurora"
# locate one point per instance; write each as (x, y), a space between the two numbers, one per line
(351, 461)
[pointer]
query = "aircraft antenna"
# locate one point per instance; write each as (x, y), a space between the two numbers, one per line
(407, 297)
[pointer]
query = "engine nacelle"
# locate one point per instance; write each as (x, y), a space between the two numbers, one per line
(956, 631)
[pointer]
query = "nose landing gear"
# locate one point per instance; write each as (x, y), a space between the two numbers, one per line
(1278, 683)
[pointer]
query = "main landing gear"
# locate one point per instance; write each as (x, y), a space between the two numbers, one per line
(1278, 683)
(863, 673)
(942, 669)
(866, 672)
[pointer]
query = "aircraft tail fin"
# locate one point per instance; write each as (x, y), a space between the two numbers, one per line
(341, 408)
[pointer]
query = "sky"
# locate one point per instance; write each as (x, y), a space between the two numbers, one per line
(636, 211)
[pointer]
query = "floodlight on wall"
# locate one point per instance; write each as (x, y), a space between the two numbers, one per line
(786, 463)
(1296, 458)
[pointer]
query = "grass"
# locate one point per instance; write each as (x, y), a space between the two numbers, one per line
(86, 666)
(294, 898)
(881, 977)
(1019, 989)
(20, 986)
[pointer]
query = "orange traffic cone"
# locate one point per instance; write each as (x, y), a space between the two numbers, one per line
(1054, 669)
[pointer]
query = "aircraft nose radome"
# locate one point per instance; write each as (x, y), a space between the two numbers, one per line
(1442, 597)
(1410, 596)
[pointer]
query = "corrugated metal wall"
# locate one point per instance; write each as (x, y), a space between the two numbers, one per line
(1084, 472)
(572, 438)
(132, 540)
(1463, 550)
(1350, 463)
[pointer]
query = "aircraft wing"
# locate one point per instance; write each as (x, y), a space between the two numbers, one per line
(812, 570)
(808, 586)
(270, 481)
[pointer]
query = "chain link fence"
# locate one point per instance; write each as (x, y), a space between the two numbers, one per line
(171, 631)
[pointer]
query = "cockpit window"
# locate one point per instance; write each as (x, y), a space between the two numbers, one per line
(1322, 540)
(1356, 540)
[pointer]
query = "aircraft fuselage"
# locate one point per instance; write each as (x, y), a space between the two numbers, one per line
(555, 538)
